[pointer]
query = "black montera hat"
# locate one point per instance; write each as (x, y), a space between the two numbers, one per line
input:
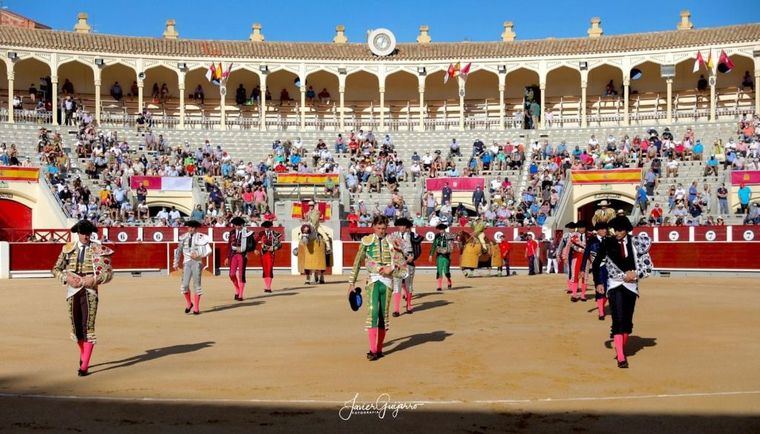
(620, 223)
(193, 224)
(84, 227)
(238, 221)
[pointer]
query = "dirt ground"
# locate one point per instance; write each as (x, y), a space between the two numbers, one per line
(492, 355)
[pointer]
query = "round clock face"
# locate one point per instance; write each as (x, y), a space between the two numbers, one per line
(381, 42)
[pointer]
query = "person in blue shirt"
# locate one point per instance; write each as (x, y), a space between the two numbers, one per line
(711, 166)
(487, 157)
(744, 195)
(642, 200)
(698, 149)
(577, 151)
(692, 192)
(561, 148)
(548, 151)
(533, 168)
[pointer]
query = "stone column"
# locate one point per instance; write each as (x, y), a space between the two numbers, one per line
(263, 103)
(54, 99)
(712, 98)
(223, 107)
(669, 102)
(382, 109)
(140, 102)
(303, 104)
(97, 101)
(11, 113)
(502, 112)
(181, 85)
(461, 104)
(626, 96)
(583, 103)
(422, 107)
(342, 114)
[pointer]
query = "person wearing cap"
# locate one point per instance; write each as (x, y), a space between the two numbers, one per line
(563, 253)
(82, 266)
(193, 246)
(620, 284)
(592, 248)
(443, 245)
(604, 213)
(576, 246)
(239, 243)
(269, 242)
(409, 246)
(384, 263)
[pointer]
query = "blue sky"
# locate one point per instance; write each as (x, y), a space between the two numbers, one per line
(297, 20)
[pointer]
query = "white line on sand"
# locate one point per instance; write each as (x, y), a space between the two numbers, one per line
(323, 402)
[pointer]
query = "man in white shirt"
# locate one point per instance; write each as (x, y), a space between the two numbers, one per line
(174, 215)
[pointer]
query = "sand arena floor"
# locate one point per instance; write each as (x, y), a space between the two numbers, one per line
(491, 355)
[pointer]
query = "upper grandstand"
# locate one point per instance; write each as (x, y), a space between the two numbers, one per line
(188, 48)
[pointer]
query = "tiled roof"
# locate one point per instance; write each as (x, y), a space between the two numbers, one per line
(187, 48)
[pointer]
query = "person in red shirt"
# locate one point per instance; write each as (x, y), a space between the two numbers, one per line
(353, 223)
(531, 250)
(463, 220)
(504, 252)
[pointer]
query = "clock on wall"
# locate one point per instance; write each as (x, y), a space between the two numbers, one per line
(381, 42)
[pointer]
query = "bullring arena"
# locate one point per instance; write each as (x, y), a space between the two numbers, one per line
(510, 149)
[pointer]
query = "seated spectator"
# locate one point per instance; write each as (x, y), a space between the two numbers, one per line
(655, 216)
(240, 95)
(324, 96)
(711, 166)
(747, 81)
(310, 95)
(671, 168)
(454, 150)
(199, 95)
(609, 90)
(702, 83)
(134, 89)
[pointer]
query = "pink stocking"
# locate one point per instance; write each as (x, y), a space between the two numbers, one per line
(408, 299)
(187, 299)
(268, 283)
(87, 348)
(618, 339)
(600, 306)
(574, 288)
(372, 333)
(396, 301)
(197, 303)
(241, 287)
(440, 282)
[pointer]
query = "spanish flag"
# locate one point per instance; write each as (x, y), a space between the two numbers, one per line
(17, 173)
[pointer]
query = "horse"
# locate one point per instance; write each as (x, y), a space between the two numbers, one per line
(314, 253)
(477, 254)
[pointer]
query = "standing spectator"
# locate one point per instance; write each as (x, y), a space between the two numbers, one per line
(651, 181)
(446, 193)
(723, 199)
(535, 113)
(478, 197)
(116, 91)
(744, 195)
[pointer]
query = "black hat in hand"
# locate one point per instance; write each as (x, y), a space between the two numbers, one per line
(355, 299)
